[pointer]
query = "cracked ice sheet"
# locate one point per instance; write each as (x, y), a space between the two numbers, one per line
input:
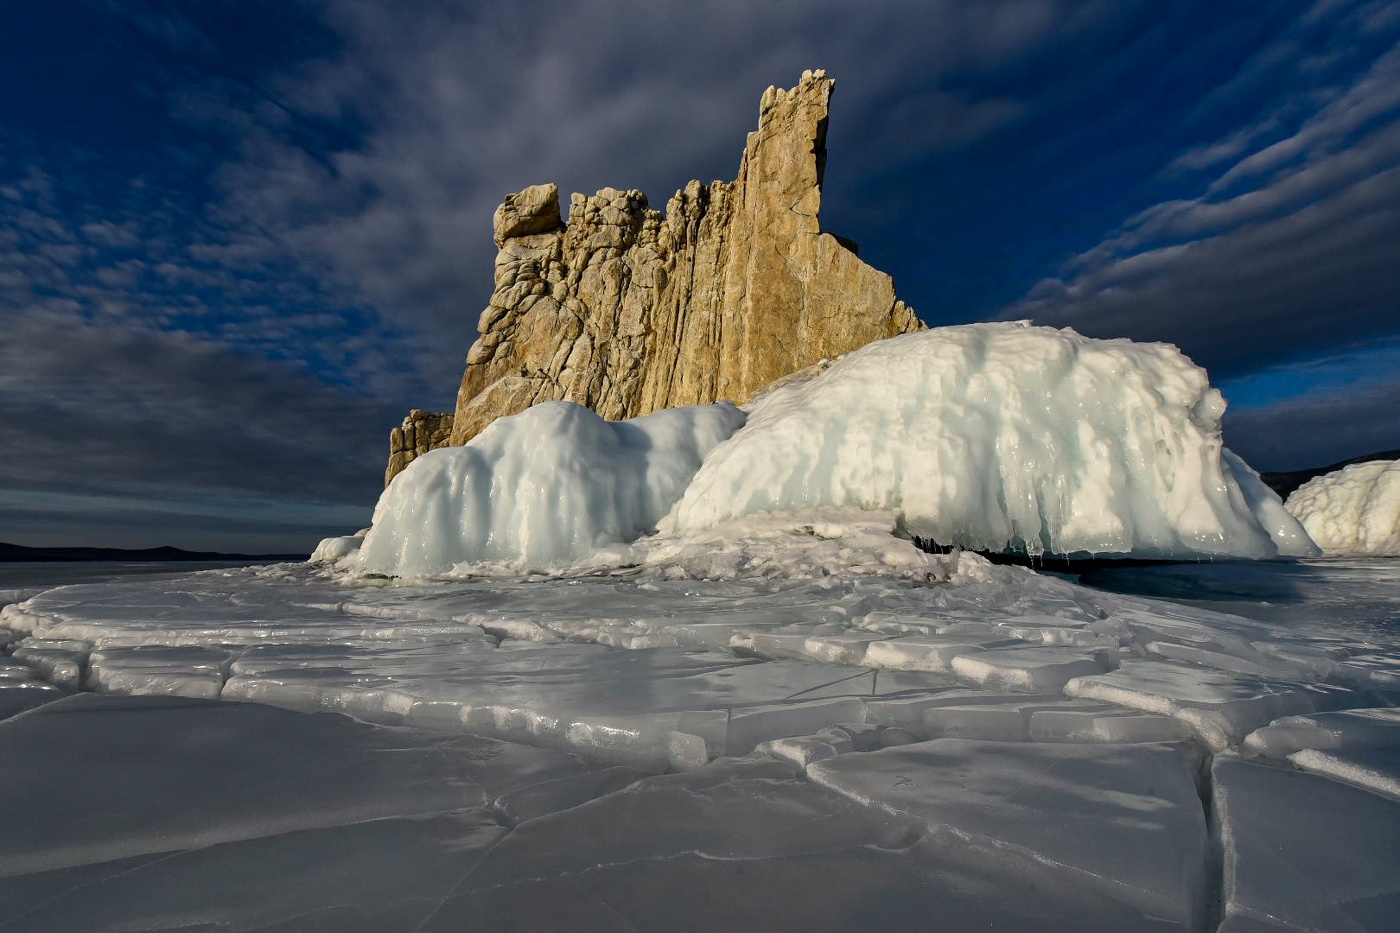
(428, 653)
(381, 643)
(1124, 821)
(104, 778)
(384, 874)
(1304, 852)
(745, 845)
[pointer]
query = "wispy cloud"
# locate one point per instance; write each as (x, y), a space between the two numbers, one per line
(1290, 246)
(454, 105)
(1317, 429)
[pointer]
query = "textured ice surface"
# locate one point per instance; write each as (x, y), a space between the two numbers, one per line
(1302, 852)
(182, 774)
(502, 766)
(1124, 820)
(1354, 511)
(1222, 707)
(1361, 746)
(542, 488)
(998, 436)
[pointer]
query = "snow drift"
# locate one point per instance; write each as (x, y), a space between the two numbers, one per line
(1354, 511)
(540, 489)
(1004, 437)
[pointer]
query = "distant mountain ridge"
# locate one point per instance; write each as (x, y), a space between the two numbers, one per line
(19, 552)
(1285, 483)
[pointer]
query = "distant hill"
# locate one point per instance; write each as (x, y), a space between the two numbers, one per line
(1285, 483)
(18, 552)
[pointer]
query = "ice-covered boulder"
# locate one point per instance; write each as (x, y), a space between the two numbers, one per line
(331, 550)
(1004, 437)
(540, 489)
(1354, 511)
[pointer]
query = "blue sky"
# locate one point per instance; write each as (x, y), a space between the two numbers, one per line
(239, 239)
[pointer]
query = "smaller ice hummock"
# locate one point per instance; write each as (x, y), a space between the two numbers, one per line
(1354, 511)
(331, 550)
(1004, 437)
(540, 489)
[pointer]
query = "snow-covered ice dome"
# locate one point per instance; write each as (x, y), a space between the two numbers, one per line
(1004, 437)
(1354, 511)
(989, 436)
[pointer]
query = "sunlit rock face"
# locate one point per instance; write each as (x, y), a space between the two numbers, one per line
(420, 432)
(540, 489)
(1354, 511)
(1004, 437)
(628, 310)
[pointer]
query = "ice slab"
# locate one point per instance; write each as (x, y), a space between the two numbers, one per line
(926, 652)
(1122, 821)
(745, 845)
(156, 670)
(1050, 720)
(1034, 670)
(1280, 871)
(366, 877)
(1222, 707)
(1361, 746)
(166, 774)
(1345, 729)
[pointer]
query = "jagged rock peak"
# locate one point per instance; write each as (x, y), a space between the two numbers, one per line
(628, 310)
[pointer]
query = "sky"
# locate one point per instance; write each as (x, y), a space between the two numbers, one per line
(240, 239)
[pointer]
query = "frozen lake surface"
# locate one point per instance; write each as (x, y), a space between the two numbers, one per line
(1185, 747)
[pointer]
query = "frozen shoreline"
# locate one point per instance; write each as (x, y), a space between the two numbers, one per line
(791, 713)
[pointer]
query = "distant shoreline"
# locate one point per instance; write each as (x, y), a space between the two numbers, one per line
(18, 553)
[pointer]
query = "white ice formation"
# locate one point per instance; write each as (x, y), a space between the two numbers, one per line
(540, 489)
(331, 550)
(1004, 437)
(989, 436)
(1354, 511)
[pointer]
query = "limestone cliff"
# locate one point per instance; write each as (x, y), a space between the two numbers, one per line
(628, 310)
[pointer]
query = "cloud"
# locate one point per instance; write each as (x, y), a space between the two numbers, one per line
(1316, 430)
(454, 105)
(1291, 245)
(121, 410)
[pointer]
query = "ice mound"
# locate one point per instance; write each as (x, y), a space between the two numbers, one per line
(540, 489)
(1354, 511)
(1003, 437)
(331, 550)
(793, 545)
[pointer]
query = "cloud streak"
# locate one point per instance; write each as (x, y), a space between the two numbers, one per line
(1291, 247)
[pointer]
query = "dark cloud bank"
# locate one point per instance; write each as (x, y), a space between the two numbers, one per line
(246, 237)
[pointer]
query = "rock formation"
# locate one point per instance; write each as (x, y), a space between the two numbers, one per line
(420, 432)
(628, 310)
